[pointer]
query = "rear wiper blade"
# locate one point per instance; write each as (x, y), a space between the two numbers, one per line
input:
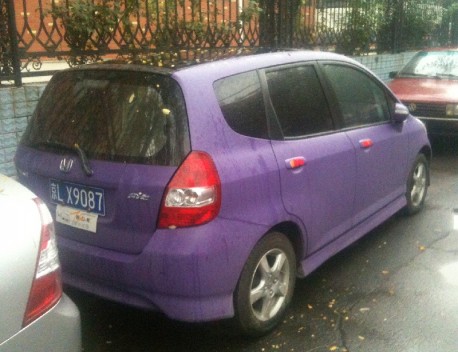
(84, 160)
(86, 166)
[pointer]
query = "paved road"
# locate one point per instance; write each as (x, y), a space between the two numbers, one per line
(394, 290)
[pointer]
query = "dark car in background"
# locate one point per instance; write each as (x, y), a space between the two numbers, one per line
(204, 190)
(428, 86)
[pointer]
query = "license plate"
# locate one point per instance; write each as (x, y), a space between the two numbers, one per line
(90, 199)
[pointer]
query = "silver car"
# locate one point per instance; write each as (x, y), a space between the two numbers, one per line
(35, 315)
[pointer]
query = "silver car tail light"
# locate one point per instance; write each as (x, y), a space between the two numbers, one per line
(47, 285)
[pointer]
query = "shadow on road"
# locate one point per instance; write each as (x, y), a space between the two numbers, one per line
(444, 145)
(108, 326)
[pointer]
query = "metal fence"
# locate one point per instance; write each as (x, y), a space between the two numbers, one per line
(80, 31)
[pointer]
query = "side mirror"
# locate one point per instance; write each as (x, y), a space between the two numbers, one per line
(392, 74)
(401, 112)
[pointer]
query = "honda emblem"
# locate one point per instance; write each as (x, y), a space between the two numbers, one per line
(66, 165)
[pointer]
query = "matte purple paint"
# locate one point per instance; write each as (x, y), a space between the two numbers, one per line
(341, 193)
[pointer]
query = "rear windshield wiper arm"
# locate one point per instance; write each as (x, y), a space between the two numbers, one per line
(74, 148)
(84, 160)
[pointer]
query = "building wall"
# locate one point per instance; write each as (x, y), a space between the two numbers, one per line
(17, 105)
(42, 33)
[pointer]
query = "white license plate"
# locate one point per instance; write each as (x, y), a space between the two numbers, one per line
(77, 218)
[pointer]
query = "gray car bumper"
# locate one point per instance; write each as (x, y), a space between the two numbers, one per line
(59, 330)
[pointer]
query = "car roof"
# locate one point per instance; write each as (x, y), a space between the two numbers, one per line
(179, 59)
(170, 62)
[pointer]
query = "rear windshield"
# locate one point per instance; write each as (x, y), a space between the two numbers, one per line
(123, 116)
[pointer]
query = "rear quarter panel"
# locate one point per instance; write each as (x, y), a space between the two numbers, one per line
(246, 165)
(20, 228)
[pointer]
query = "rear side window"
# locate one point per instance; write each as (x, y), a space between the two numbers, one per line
(299, 101)
(122, 116)
(241, 101)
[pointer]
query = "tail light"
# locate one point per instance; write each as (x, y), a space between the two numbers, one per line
(47, 286)
(193, 196)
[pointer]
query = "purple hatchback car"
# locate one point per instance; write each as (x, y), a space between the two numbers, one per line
(204, 190)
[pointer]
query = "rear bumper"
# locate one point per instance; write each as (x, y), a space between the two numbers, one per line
(59, 330)
(188, 274)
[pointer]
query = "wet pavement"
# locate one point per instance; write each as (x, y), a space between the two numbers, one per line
(394, 290)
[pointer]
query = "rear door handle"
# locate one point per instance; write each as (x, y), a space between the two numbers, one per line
(295, 163)
(366, 143)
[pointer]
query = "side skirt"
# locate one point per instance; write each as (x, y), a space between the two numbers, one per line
(313, 261)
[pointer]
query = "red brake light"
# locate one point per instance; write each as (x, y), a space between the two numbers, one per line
(47, 286)
(193, 196)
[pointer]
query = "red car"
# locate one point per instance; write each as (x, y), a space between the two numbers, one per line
(428, 86)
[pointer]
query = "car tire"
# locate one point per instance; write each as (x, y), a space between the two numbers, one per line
(266, 285)
(417, 185)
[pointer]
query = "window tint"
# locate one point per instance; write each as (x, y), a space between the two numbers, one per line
(361, 100)
(241, 102)
(113, 115)
(299, 101)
